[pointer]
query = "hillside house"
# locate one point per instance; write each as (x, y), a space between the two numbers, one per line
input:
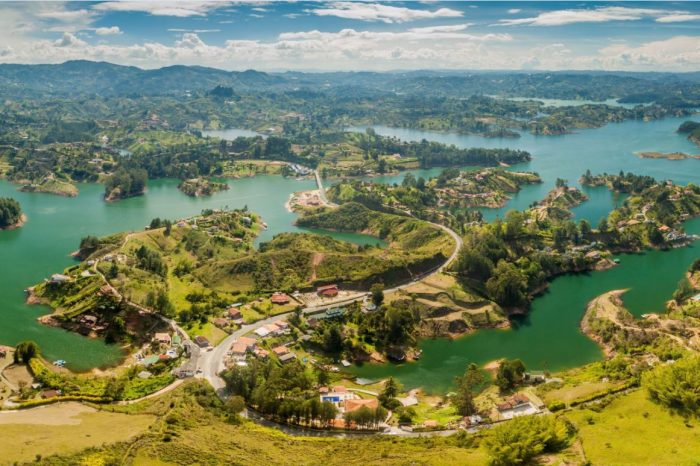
(517, 405)
(327, 291)
(279, 298)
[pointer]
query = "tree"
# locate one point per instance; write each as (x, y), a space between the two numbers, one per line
(233, 407)
(510, 374)
(377, 291)
(332, 339)
(676, 386)
(508, 285)
(391, 390)
(25, 351)
(519, 440)
(467, 384)
(10, 212)
(115, 388)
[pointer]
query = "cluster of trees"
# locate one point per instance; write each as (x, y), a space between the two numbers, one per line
(436, 154)
(25, 351)
(285, 393)
(510, 374)
(506, 260)
(521, 439)
(151, 260)
(126, 182)
(622, 182)
(676, 386)
(10, 212)
(365, 418)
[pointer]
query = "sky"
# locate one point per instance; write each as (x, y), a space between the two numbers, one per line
(354, 36)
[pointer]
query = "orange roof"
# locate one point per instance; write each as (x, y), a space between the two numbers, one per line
(280, 350)
(279, 298)
(339, 389)
(327, 288)
(354, 405)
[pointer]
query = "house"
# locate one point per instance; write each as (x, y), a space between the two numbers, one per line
(327, 291)
(220, 322)
(664, 228)
(57, 279)
(286, 358)
(696, 298)
(517, 405)
(280, 350)
(234, 314)
(593, 255)
(354, 404)
(336, 395)
(262, 331)
(88, 320)
(261, 353)
(279, 299)
(201, 341)
(50, 394)
(242, 346)
(163, 338)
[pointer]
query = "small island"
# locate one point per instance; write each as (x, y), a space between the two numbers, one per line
(125, 183)
(692, 129)
(10, 214)
(666, 155)
(198, 187)
(50, 185)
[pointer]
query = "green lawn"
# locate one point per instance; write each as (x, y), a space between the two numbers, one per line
(634, 431)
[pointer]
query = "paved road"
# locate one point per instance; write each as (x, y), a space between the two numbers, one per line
(211, 362)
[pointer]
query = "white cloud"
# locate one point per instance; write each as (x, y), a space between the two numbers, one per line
(196, 31)
(69, 40)
(65, 15)
(384, 13)
(677, 18)
(597, 15)
(447, 28)
(160, 8)
(108, 31)
(680, 52)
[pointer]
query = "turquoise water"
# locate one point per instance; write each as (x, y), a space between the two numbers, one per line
(56, 224)
(548, 337)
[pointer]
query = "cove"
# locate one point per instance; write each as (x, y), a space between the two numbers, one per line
(56, 224)
(608, 149)
(548, 338)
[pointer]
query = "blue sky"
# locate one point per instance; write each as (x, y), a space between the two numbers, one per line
(633, 36)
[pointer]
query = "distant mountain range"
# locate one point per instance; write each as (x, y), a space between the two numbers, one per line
(83, 77)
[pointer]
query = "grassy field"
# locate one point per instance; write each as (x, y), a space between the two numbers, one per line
(187, 433)
(64, 428)
(632, 431)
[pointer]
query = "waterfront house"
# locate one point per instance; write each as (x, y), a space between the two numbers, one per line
(58, 279)
(517, 405)
(336, 395)
(327, 291)
(354, 404)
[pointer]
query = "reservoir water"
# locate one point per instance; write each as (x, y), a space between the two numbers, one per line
(547, 338)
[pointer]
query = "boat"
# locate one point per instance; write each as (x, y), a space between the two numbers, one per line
(59, 363)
